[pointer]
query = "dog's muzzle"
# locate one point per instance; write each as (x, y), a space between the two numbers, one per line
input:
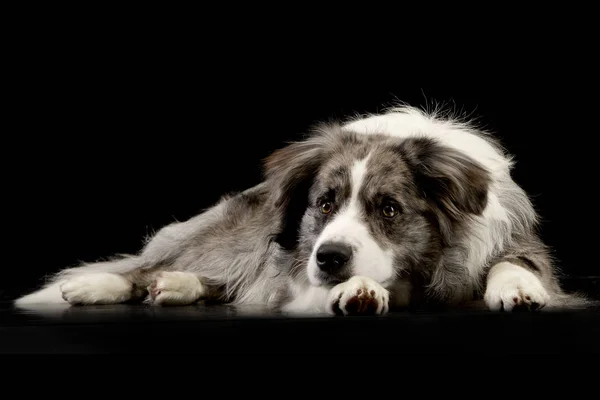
(333, 257)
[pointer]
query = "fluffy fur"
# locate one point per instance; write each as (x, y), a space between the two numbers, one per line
(405, 208)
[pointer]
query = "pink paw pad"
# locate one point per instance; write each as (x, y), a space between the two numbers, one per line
(153, 290)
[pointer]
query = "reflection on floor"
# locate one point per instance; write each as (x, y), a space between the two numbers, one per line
(221, 329)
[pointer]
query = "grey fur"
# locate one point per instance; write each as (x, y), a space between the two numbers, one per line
(251, 247)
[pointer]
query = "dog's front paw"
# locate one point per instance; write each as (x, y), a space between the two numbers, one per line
(358, 296)
(96, 288)
(176, 288)
(511, 288)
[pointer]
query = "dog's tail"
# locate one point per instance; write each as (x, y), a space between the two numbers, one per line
(50, 293)
(571, 301)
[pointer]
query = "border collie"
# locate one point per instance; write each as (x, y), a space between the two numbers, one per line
(404, 208)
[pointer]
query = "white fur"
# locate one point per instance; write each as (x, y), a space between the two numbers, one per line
(311, 300)
(490, 231)
(51, 293)
(96, 288)
(177, 288)
(358, 286)
(410, 122)
(368, 259)
(507, 282)
(307, 299)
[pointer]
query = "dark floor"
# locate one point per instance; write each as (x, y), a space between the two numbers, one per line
(226, 330)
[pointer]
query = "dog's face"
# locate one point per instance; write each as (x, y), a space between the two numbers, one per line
(363, 216)
(372, 205)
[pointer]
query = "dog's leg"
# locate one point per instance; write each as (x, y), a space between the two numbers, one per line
(176, 288)
(511, 286)
(97, 288)
(359, 295)
(163, 288)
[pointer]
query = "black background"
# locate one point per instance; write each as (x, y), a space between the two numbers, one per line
(123, 127)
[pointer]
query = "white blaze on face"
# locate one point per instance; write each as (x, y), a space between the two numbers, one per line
(349, 227)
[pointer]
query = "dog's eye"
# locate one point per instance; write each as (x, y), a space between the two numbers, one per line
(326, 207)
(389, 211)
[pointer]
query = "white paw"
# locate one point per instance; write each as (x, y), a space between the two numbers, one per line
(96, 288)
(512, 287)
(176, 288)
(358, 296)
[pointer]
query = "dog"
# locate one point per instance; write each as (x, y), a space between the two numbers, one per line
(405, 208)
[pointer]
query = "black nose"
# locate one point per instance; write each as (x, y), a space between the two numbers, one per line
(333, 256)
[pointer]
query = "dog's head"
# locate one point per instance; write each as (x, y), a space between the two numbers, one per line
(371, 205)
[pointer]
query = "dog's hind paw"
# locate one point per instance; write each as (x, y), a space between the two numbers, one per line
(358, 296)
(96, 288)
(176, 288)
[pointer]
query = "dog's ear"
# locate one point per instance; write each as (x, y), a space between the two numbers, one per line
(290, 172)
(452, 182)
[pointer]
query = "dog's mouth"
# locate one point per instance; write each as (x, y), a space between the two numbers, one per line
(332, 281)
(327, 280)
